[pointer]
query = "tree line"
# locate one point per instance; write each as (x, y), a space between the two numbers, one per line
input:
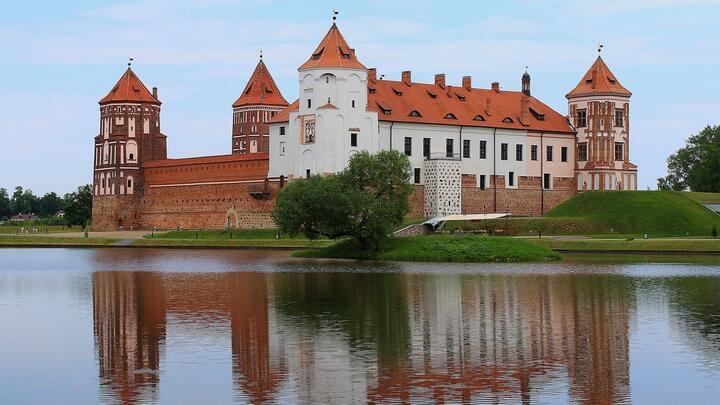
(76, 205)
(696, 167)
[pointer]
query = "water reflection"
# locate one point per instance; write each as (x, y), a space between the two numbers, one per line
(380, 337)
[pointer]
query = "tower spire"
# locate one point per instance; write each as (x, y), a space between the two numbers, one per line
(130, 61)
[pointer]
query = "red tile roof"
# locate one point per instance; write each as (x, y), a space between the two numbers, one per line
(260, 89)
(206, 159)
(599, 79)
(129, 89)
(284, 115)
(333, 52)
(468, 107)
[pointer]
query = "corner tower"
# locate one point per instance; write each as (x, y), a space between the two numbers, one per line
(599, 108)
(129, 137)
(259, 102)
(330, 121)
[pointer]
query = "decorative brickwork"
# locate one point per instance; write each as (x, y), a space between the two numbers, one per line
(442, 187)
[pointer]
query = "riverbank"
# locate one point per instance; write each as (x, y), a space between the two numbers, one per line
(440, 248)
(609, 246)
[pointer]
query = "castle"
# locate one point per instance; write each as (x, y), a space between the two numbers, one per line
(472, 150)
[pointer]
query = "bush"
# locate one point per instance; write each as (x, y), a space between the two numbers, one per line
(714, 232)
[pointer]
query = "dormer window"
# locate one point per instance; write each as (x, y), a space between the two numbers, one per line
(317, 55)
(450, 116)
(431, 94)
(508, 120)
(538, 116)
(478, 118)
(397, 92)
(415, 113)
(385, 109)
(345, 54)
(460, 97)
(371, 90)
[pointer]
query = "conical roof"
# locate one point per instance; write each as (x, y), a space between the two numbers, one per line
(260, 89)
(333, 52)
(129, 89)
(599, 79)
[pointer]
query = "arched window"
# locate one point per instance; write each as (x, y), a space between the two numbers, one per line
(130, 185)
(131, 151)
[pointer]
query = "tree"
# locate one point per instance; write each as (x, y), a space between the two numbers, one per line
(4, 204)
(78, 206)
(364, 201)
(23, 201)
(49, 205)
(696, 166)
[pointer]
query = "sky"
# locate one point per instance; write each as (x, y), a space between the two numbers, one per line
(60, 58)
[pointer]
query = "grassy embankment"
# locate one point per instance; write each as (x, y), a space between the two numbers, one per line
(13, 240)
(12, 229)
(635, 245)
(704, 198)
(440, 248)
(613, 214)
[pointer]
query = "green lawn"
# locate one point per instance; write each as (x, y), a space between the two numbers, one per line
(256, 234)
(531, 226)
(54, 241)
(11, 229)
(440, 248)
(658, 213)
(638, 245)
(704, 198)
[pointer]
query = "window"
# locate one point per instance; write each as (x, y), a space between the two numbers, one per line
(282, 130)
(619, 155)
(533, 152)
(619, 118)
(253, 129)
(416, 175)
(129, 183)
(353, 139)
(408, 146)
(519, 152)
(511, 179)
(503, 151)
(282, 148)
(549, 154)
(449, 147)
(478, 118)
(450, 116)
(310, 132)
(309, 103)
(563, 154)
(483, 149)
(415, 113)
(426, 148)
(353, 104)
(482, 182)
(508, 120)
(131, 157)
(581, 118)
(466, 148)
(546, 181)
(582, 152)
(307, 173)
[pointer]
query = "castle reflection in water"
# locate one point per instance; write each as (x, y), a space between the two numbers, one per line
(374, 337)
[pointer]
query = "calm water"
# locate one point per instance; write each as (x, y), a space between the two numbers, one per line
(190, 327)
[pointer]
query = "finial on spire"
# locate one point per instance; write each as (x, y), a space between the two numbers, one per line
(130, 61)
(526, 68)
(261, 54)
(600, 47)
(335, 14)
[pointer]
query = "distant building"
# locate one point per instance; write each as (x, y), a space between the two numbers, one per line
(472, 150)
(24, 217)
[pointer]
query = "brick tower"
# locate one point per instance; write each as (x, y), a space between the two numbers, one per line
(129, 137)
(599, 108)
(260, 100)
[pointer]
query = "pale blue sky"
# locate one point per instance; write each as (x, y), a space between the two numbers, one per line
(60, 58)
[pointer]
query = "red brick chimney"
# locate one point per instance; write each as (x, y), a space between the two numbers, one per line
(525, 110)
(407, 77)
(496, 87)
(487, 106)
(372, 74)
(467, 82)
(155, 93)
(440, 80)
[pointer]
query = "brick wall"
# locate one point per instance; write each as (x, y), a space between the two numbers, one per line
(526, 200)
(111, 212)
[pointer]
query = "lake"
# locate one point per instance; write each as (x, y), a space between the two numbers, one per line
(173, 326)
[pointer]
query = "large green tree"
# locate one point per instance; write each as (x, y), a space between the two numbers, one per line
(365, 201)
(4, 204)
(49, 204)
(78, 206)
(23, 201)
(696, 167)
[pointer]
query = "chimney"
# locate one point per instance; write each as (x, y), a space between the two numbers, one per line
(155, 93)
(372, 74)
(594, 78)
(496, 87)
(440, 80)
(407, 77)
(467, 82)
(487, 106)
(525, 110)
